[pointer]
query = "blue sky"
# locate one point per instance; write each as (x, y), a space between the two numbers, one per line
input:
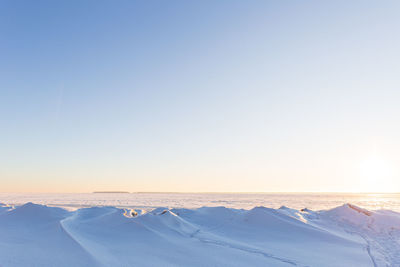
(199, 96)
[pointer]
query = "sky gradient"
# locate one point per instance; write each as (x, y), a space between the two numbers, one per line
(199, 96)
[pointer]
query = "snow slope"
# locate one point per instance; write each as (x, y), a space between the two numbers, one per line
(37, 235)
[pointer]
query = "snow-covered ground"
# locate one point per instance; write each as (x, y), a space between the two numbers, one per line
(37, 235)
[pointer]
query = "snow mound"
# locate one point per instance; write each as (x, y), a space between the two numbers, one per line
(168, 221)
(380, 220)
(37, 235)
(380, 230)
(31, 235)
(36, 212)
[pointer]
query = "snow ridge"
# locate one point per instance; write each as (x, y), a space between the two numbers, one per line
(38, 235)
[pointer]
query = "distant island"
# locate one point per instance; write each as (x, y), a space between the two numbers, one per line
(101, 192)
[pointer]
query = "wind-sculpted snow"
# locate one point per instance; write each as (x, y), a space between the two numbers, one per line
(36, 235)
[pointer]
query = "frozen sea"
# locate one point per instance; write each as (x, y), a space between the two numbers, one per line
(313, 201)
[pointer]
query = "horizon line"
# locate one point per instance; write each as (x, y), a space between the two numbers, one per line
(207, 192)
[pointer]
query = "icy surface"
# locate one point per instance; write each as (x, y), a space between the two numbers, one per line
(314, 201)
(38, 235)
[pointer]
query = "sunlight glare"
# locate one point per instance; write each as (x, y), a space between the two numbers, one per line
(377, 175)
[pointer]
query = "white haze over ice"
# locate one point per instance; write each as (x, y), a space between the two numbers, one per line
(315, 201)
(85, 232)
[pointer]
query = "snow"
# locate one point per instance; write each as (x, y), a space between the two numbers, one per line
(147, 201)
(39, 235)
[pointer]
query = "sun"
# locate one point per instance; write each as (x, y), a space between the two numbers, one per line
(376, 175)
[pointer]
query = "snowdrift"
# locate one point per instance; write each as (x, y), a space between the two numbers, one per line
(36, 235)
